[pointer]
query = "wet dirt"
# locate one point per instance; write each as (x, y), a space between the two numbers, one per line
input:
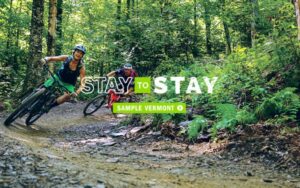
(66, 149)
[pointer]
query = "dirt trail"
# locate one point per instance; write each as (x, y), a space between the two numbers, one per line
(65, 149)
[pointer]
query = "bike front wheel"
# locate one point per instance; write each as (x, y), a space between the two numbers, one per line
(23, 108)
(94, 105)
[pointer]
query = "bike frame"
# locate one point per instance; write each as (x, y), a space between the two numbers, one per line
(36, 106)
(113, 97)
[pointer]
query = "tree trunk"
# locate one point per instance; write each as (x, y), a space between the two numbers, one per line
(119, 10)
(33, 74)
(117, 34)
(132, 8)
(226, 29)
(128, 10)
(119, 6)
(137, 8)
(8, 51)
(51, 27)
(16, 57)
(297, 11)
(18, 27)
(254, 20)
(227, 38)
(101, 71)
(195, 42)
(59, 33)
(207, 21)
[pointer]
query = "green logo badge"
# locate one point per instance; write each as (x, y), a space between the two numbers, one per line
(142, 85)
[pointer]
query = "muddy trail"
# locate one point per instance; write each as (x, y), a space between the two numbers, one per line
(66, 149)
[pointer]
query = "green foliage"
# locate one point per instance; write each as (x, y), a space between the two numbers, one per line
(8, 105)
(157, 120)
(227, 116)
(197, 125)
(284, 103)
(245, 117)
(268, 109)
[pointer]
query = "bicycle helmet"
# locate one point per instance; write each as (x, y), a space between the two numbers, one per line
(127, 66)
(80, 47)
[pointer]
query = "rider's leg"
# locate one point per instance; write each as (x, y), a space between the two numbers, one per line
(61, 99)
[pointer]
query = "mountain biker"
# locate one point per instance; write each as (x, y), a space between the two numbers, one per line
(72, 67)
(125, 72)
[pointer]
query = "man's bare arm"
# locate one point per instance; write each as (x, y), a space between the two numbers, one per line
(111, 74)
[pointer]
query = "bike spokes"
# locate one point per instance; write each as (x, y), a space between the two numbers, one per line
(94, 105)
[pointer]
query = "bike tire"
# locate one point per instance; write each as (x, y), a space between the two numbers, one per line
(37, 111)
(33, 117)
(21, 109)
(94, 104)
(28, 95)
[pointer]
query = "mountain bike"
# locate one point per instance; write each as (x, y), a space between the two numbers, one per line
(37, 102)
(109, 98)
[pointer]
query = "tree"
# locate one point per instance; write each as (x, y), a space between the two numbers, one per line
(297, 11)
(59, 33)
(226, 27)
(128, 10)
(254, 21)
(207, 21)
(35, 42)
(51, 27)
(195, 41)
(118, 32)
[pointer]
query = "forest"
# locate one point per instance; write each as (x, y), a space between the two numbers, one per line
(249, 49)
(251, 46)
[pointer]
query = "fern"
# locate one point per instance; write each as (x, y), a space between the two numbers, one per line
(227, 112)
(244, 117)
(197, 125)
(268, 109)
(283, 103)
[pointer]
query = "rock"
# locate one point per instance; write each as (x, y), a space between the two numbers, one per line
(267, 180)
(109, 143)
(138, 129)
(184, 123)
(231, 145)
(264, 148)
(122, 133)
(247, 173)
(29, 177)
(100, 181)
(148, 122)
(73, 181)
(88, 186)
(157, 133)
(100, 185)
(204, 138)
(112, 160)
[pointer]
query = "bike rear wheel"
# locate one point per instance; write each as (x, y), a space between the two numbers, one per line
(94, 105)
(23, 108)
